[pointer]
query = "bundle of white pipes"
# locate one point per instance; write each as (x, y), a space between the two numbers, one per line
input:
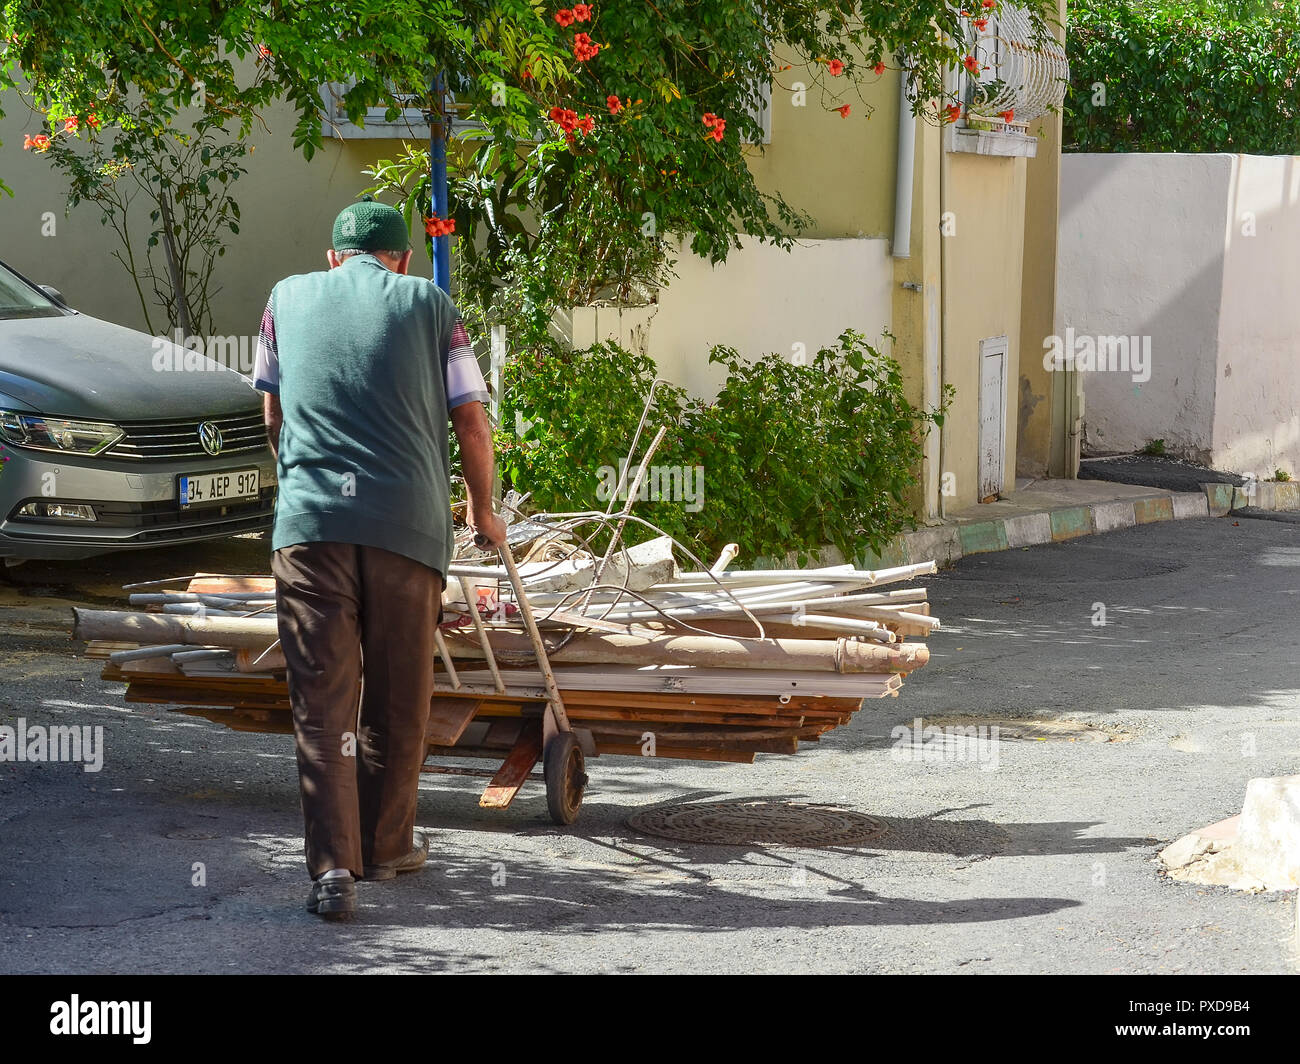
(679, 634)
(716, 665)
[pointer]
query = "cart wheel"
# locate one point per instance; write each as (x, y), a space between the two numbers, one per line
(566, 777)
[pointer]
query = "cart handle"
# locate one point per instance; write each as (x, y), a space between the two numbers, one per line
(534, 634)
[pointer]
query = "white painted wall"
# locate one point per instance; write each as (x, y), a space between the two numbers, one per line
(1141, 253)
(1257, 408)
(761, 300)
(1200, 253)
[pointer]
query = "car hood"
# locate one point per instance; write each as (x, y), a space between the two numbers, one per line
(76, 366)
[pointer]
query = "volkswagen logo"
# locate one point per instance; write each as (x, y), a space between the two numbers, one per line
(210, 437)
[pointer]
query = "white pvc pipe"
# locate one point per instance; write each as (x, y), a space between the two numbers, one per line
(902, 247)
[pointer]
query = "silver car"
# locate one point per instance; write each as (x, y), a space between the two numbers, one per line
(112, 439)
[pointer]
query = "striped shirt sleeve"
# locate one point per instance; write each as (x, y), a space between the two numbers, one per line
(464, 380)
(266, 367)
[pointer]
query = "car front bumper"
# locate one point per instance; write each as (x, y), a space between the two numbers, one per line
(136, 504)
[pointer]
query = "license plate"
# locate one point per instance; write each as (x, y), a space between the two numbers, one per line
(210, 489)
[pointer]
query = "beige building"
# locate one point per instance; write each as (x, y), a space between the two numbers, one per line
(948, 244)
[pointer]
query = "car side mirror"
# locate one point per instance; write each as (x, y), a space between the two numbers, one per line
(53, 293)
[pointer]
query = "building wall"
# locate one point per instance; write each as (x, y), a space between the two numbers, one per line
(837, 276)
(762, 300)
(1257, 389)
(1041, 408)
(839, 170)
(1142, 254)
(288, 209)
(982, 266)
(1197, 252)
(917, 306)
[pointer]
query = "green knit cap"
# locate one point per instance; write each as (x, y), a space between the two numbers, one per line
(370, 226)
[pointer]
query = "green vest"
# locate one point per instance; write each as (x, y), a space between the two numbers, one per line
(362, 354)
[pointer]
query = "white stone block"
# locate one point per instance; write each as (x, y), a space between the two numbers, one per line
(1268, 839)
(1191, 504)
(1108, 516)
(1028, 530)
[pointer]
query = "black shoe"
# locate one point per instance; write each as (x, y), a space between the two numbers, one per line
(333, 899)
(410, 863)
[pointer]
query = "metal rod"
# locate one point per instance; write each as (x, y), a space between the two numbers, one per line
(482, 633)
(201, 655)
(535, 636)
(268, 650)
(155, 598)
(192, 576)
(642, 469)
(441, 644)
(144, 653)
(632, 492)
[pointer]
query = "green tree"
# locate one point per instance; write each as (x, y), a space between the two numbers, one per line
(1182, 75)
(184, 177)
(514, 63)
(650, 137)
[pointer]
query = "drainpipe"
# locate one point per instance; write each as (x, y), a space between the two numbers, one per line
(904, 171)
(902, 249)
(943, 301)
(906, 166)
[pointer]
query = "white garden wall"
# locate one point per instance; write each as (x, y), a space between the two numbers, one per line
(1197, 252)
(1257, 408)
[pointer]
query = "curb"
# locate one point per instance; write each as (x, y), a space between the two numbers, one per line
(1282, 496)
(946, 544)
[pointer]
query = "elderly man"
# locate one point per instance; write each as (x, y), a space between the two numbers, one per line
(362, 367)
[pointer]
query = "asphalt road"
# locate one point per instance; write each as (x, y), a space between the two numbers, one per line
(1038, 858)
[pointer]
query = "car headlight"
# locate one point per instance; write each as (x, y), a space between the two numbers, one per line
(57, 434)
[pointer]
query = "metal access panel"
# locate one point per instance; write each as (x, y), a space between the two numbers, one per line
(993, 415)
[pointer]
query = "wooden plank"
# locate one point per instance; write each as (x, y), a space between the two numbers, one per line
(504, 733)
(689, 734)
(201, 698)
(102, 648)
(482, 773)
(240, 720)
(448, 718)
(678, 680)
(149, 666)
(758, 704)
(781, 629)
(514, 770)
(215, 585)
(579, 712)
(476, 733)
(673, 753)
(787, 745)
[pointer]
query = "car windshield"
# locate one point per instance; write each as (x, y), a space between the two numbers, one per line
(17, 300)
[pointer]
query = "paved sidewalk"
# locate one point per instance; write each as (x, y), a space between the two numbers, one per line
(1050, 511)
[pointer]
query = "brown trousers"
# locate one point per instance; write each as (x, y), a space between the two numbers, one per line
(339, 605)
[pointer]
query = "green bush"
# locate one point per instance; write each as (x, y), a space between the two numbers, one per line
(1214, 76)
(565, 414)
(792, 456)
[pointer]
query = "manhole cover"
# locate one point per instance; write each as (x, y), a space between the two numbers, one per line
(1010, 729)
(763, 823)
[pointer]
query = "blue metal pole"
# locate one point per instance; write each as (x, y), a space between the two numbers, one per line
(438, 177)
